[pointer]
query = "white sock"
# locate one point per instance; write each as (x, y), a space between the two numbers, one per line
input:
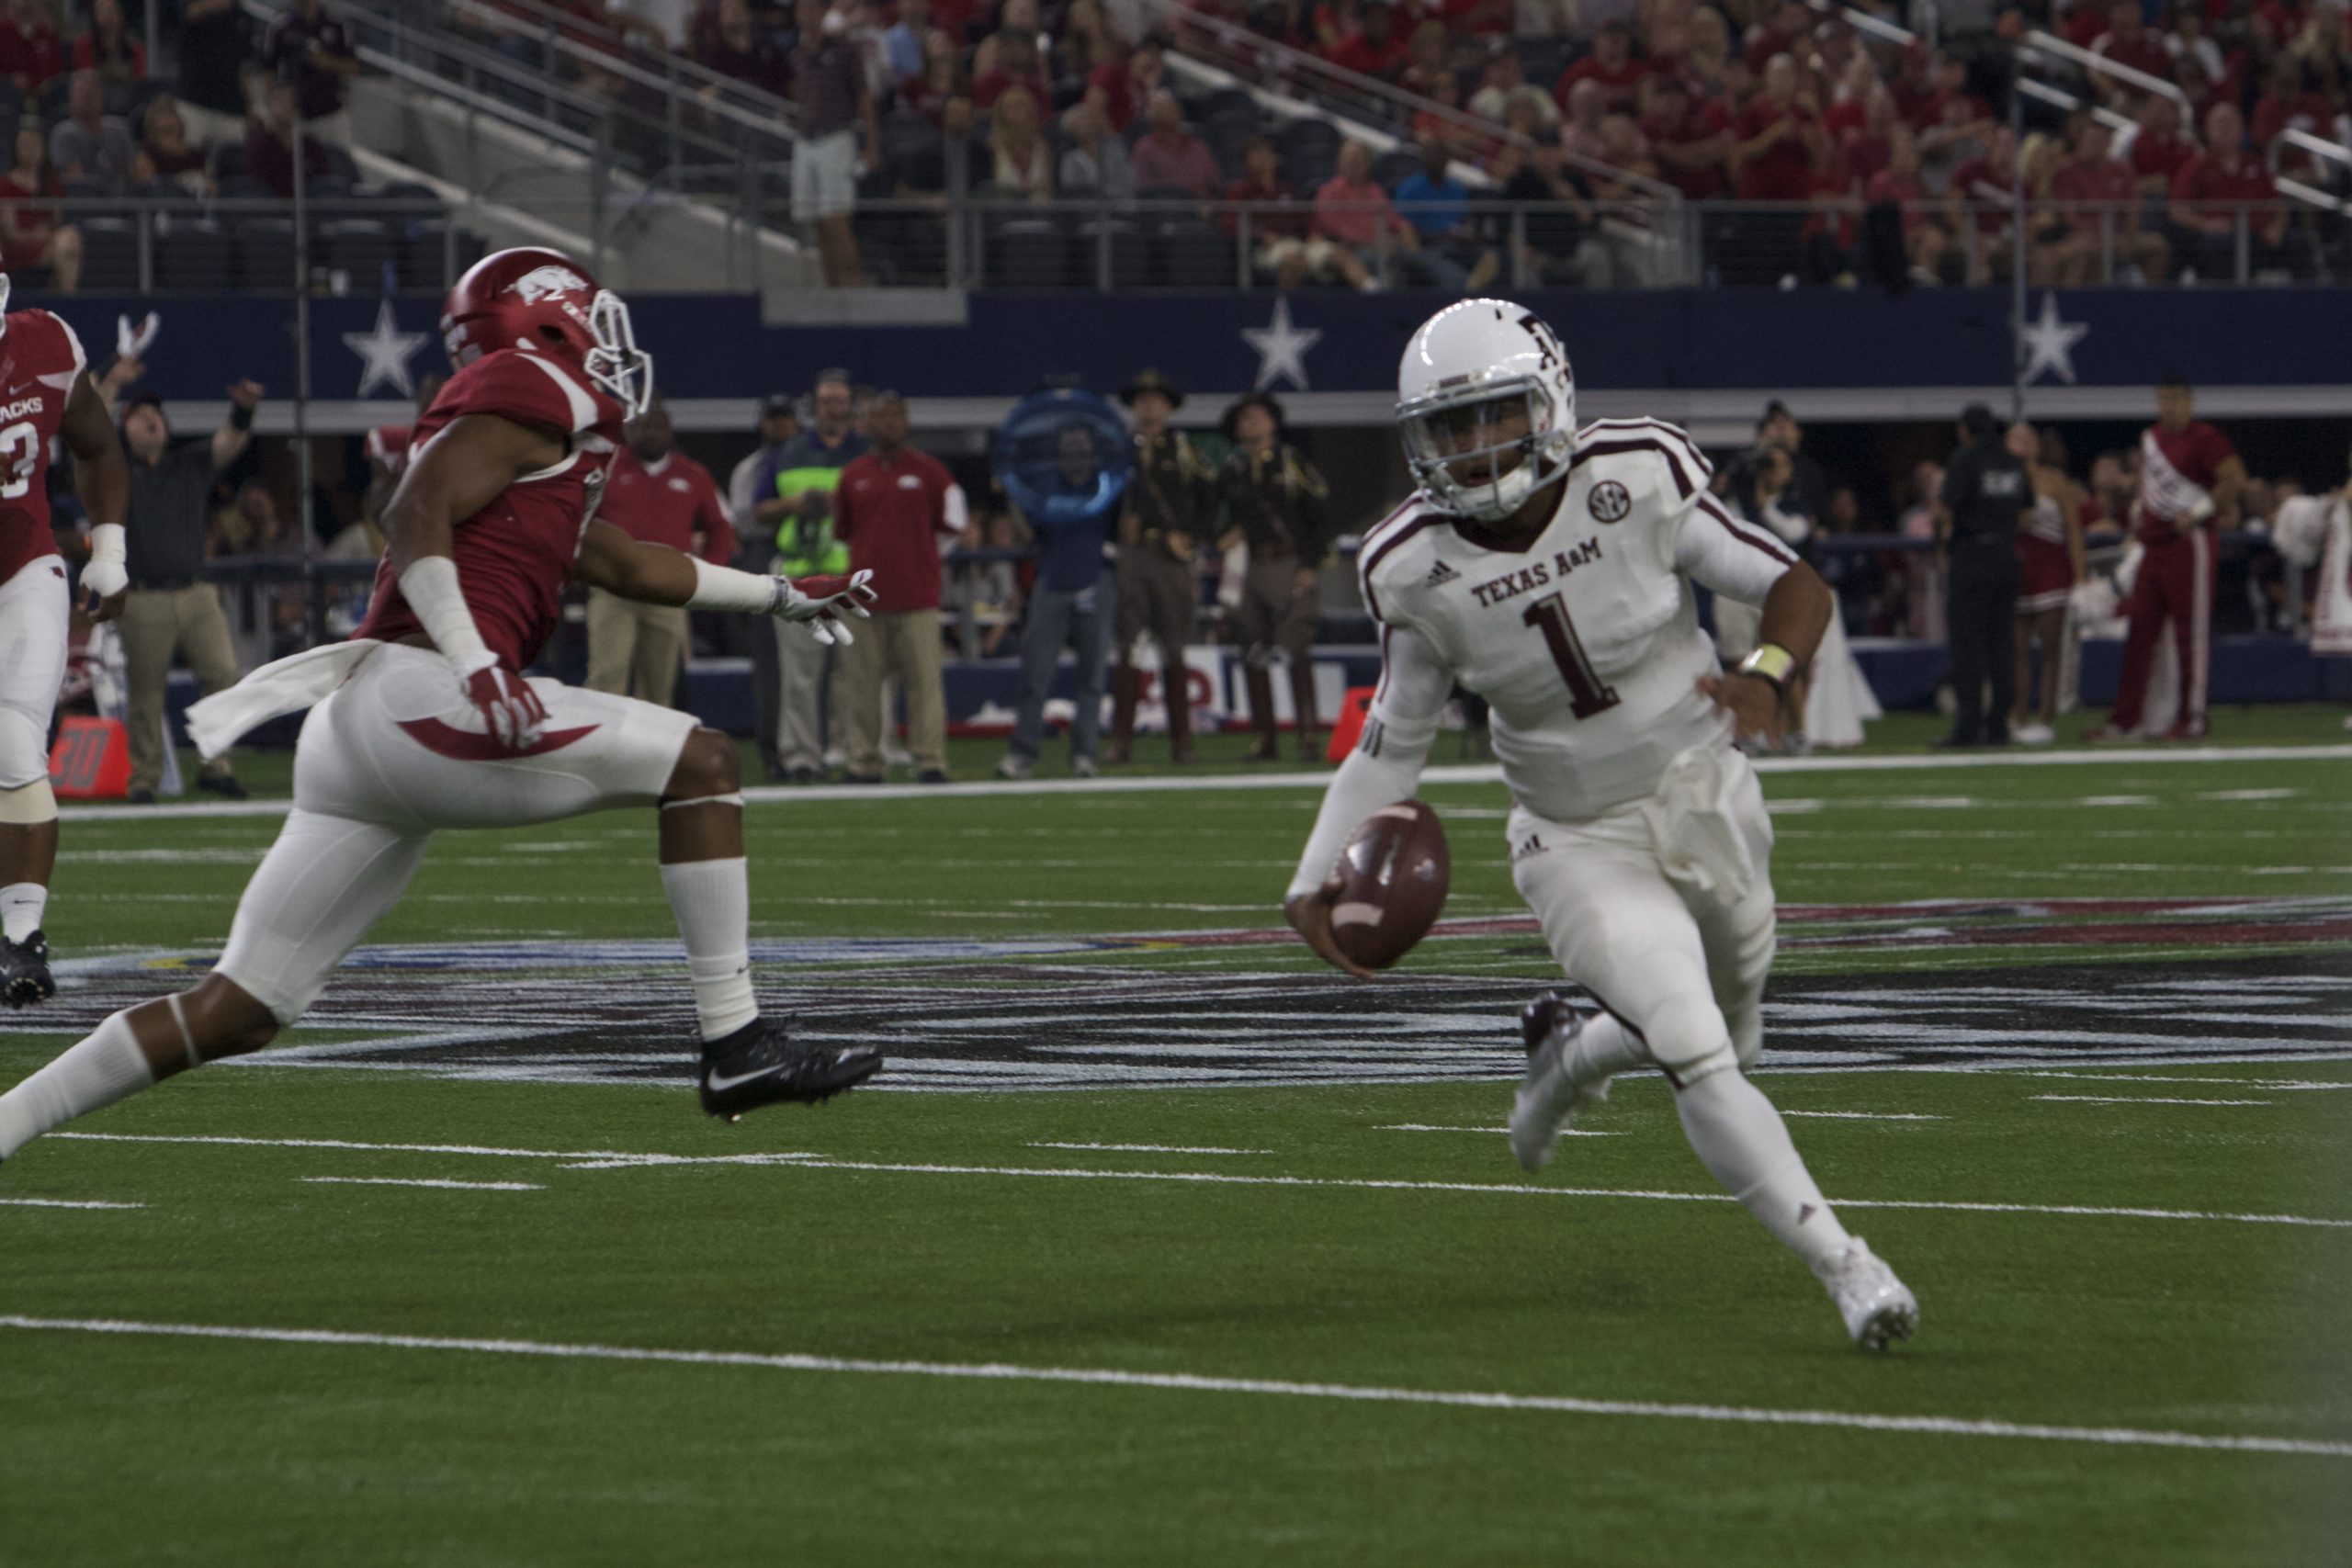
(712, 899)
(1609, 1047)
(105, 1067)
(1741, 1138)
(22, 903)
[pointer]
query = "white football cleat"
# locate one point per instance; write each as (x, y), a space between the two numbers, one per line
(1878, 1308)
(1558, 1077)
(2033, 734)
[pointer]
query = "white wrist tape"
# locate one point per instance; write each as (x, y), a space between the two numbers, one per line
(724, 588)
(430, 586)
(2202, 509)
(106, 544)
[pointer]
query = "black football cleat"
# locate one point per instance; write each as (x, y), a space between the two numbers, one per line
(760, 1065)
(24, 971)
(1540, 1018)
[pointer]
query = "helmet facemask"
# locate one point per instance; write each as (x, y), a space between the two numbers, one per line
(616, 364)
(1479, 448)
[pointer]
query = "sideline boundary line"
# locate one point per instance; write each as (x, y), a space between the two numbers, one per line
(764, 795)
(1188, 1382)
(614, 1160)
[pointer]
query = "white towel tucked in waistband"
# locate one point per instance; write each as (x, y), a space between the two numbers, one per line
(287, 686)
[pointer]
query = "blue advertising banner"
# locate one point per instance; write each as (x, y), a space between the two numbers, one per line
(1683, 342)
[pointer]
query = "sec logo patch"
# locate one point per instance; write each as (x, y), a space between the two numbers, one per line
(1609, 502)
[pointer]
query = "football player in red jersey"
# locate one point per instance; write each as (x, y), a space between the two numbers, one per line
(387, 448)
(424, 720)
(45, 391)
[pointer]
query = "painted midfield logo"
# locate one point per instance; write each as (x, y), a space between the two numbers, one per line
(1609, 502)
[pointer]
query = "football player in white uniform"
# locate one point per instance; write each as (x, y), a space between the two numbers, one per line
(1549, 571)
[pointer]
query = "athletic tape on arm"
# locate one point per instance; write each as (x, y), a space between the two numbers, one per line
(724, 588)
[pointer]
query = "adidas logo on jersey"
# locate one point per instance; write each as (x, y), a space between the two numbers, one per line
(1440, 574)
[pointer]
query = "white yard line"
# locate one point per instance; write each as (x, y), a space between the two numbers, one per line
(2145, 1099)
(1186, 1383)
(610, 1160)
(420, 1181)
(63, 1204)
(1866, 1115)
(1152, 1148)
(2172, 1078)
(1319, 778)
(1428, 1127)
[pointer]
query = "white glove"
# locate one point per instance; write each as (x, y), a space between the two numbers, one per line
(510, 709)
(826, 603)
(105, 575)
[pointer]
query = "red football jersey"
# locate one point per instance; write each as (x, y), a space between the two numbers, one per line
(514, 555)
(39, 361)
(668, 502)
(2176, 470)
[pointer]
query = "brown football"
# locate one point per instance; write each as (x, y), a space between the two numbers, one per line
(1393, 873)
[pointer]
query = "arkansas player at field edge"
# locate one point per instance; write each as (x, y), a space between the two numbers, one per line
(424, 721)
(45, 391)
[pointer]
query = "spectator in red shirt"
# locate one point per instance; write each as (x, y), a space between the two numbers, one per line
(738, 47)
(1784, 32)
(2287, 102)
(1778, 142)
(2158, 151)
(107, 47)
(1611, 64)
(2128, 42)
(1375, 51)
(31, 53)
(269, 147)
(1982, 189)
(1172, 158)
(1926, 240)
(2219, 190)
(1120, 88)
(30, 235)
(1691, 148)
(1017, 66)
(1280, 226)
(1866, 147)
(1427, 61)
(659, 496)
(1352, 211)
(896, 507)
(2105, 230)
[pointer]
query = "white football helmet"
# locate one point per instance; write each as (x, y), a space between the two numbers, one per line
(1466, 369)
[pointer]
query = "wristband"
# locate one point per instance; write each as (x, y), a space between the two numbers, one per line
(724, 588)
(2202, 509)
(240, 418)
(430, 586)
(106, 544)
(1772, 664)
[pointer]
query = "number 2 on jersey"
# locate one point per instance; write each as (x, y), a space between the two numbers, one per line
(1587, 693)
(20, 457)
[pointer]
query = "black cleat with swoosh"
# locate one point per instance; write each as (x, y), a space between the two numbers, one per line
(24, 971)
(759, 1065)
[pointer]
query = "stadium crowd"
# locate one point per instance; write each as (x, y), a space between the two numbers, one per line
(1895, 161)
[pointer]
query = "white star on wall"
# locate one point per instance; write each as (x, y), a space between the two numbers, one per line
(384, 353)
(1280, 348)
(2050, 343)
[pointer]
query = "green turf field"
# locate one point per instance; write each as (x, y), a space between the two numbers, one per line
(1157, 1244)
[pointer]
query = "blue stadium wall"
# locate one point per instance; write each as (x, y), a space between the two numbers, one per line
(2270, 351)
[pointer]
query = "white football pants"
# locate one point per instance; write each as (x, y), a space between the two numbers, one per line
(1662, 907)
(34, 610)
(396, 752)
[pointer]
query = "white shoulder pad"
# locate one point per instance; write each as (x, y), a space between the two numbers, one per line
(1392, 563)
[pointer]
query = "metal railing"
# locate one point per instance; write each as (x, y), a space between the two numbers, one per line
(1254, 60)
(993, 241)
(189, 245)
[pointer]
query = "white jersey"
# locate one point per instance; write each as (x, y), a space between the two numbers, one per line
(1584, 639)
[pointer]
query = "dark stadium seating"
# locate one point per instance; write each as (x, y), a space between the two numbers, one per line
(110, 256)
(195, 254)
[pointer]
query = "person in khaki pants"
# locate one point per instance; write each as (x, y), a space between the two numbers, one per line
(656, 494)
(170, 610)
(892, 508)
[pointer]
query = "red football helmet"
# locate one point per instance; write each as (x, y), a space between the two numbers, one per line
(542, 301)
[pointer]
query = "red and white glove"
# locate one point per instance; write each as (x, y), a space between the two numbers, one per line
(826, 603)
(510, 710)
